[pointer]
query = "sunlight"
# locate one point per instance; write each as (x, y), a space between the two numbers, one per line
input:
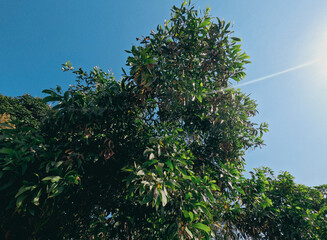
(322, 64)
(321, 53)
(276, 74)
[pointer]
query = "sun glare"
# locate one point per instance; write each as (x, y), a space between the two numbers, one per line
(321, 53)
(322, 65)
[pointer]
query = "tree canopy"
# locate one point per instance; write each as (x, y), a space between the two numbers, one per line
(22, 111)
(158, 154)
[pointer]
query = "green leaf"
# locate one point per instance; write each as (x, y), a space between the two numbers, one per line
(240, 190)
(150, 163)
(24, 168)
(205, 23)
(24, 189)
(159, 170)
(20, 200)
(204, 209)
(210, 196)
(51, 99)
(186, 214)
(227, 26)
(191, 216)
(37, 197)
(48, 91)
(8, 184)
(149, 61)
(169, 164)
(236, 39)
(52, 178)
(188, 195)
(8, 151)
(126, 169)
(31, 211)
(202, 226)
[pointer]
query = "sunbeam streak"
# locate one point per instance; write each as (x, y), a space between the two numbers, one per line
(275, 74)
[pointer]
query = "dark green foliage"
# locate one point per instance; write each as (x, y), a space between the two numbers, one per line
(275, 207)
(25, 110)
(155, 155)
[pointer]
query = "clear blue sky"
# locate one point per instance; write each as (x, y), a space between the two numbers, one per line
(36, 37)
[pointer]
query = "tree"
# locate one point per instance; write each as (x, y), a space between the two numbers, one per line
(23, 111)
(275, 207)
(158, 154)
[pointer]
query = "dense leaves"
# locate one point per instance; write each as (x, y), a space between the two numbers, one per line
(23, 111)
(275, 207)
(155, 155)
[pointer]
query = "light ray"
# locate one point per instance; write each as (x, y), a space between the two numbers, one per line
(275, 74)
(271, 75)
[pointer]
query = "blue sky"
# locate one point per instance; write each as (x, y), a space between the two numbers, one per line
(36, 37)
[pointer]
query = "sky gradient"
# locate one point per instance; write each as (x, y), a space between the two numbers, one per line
(36, 37)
